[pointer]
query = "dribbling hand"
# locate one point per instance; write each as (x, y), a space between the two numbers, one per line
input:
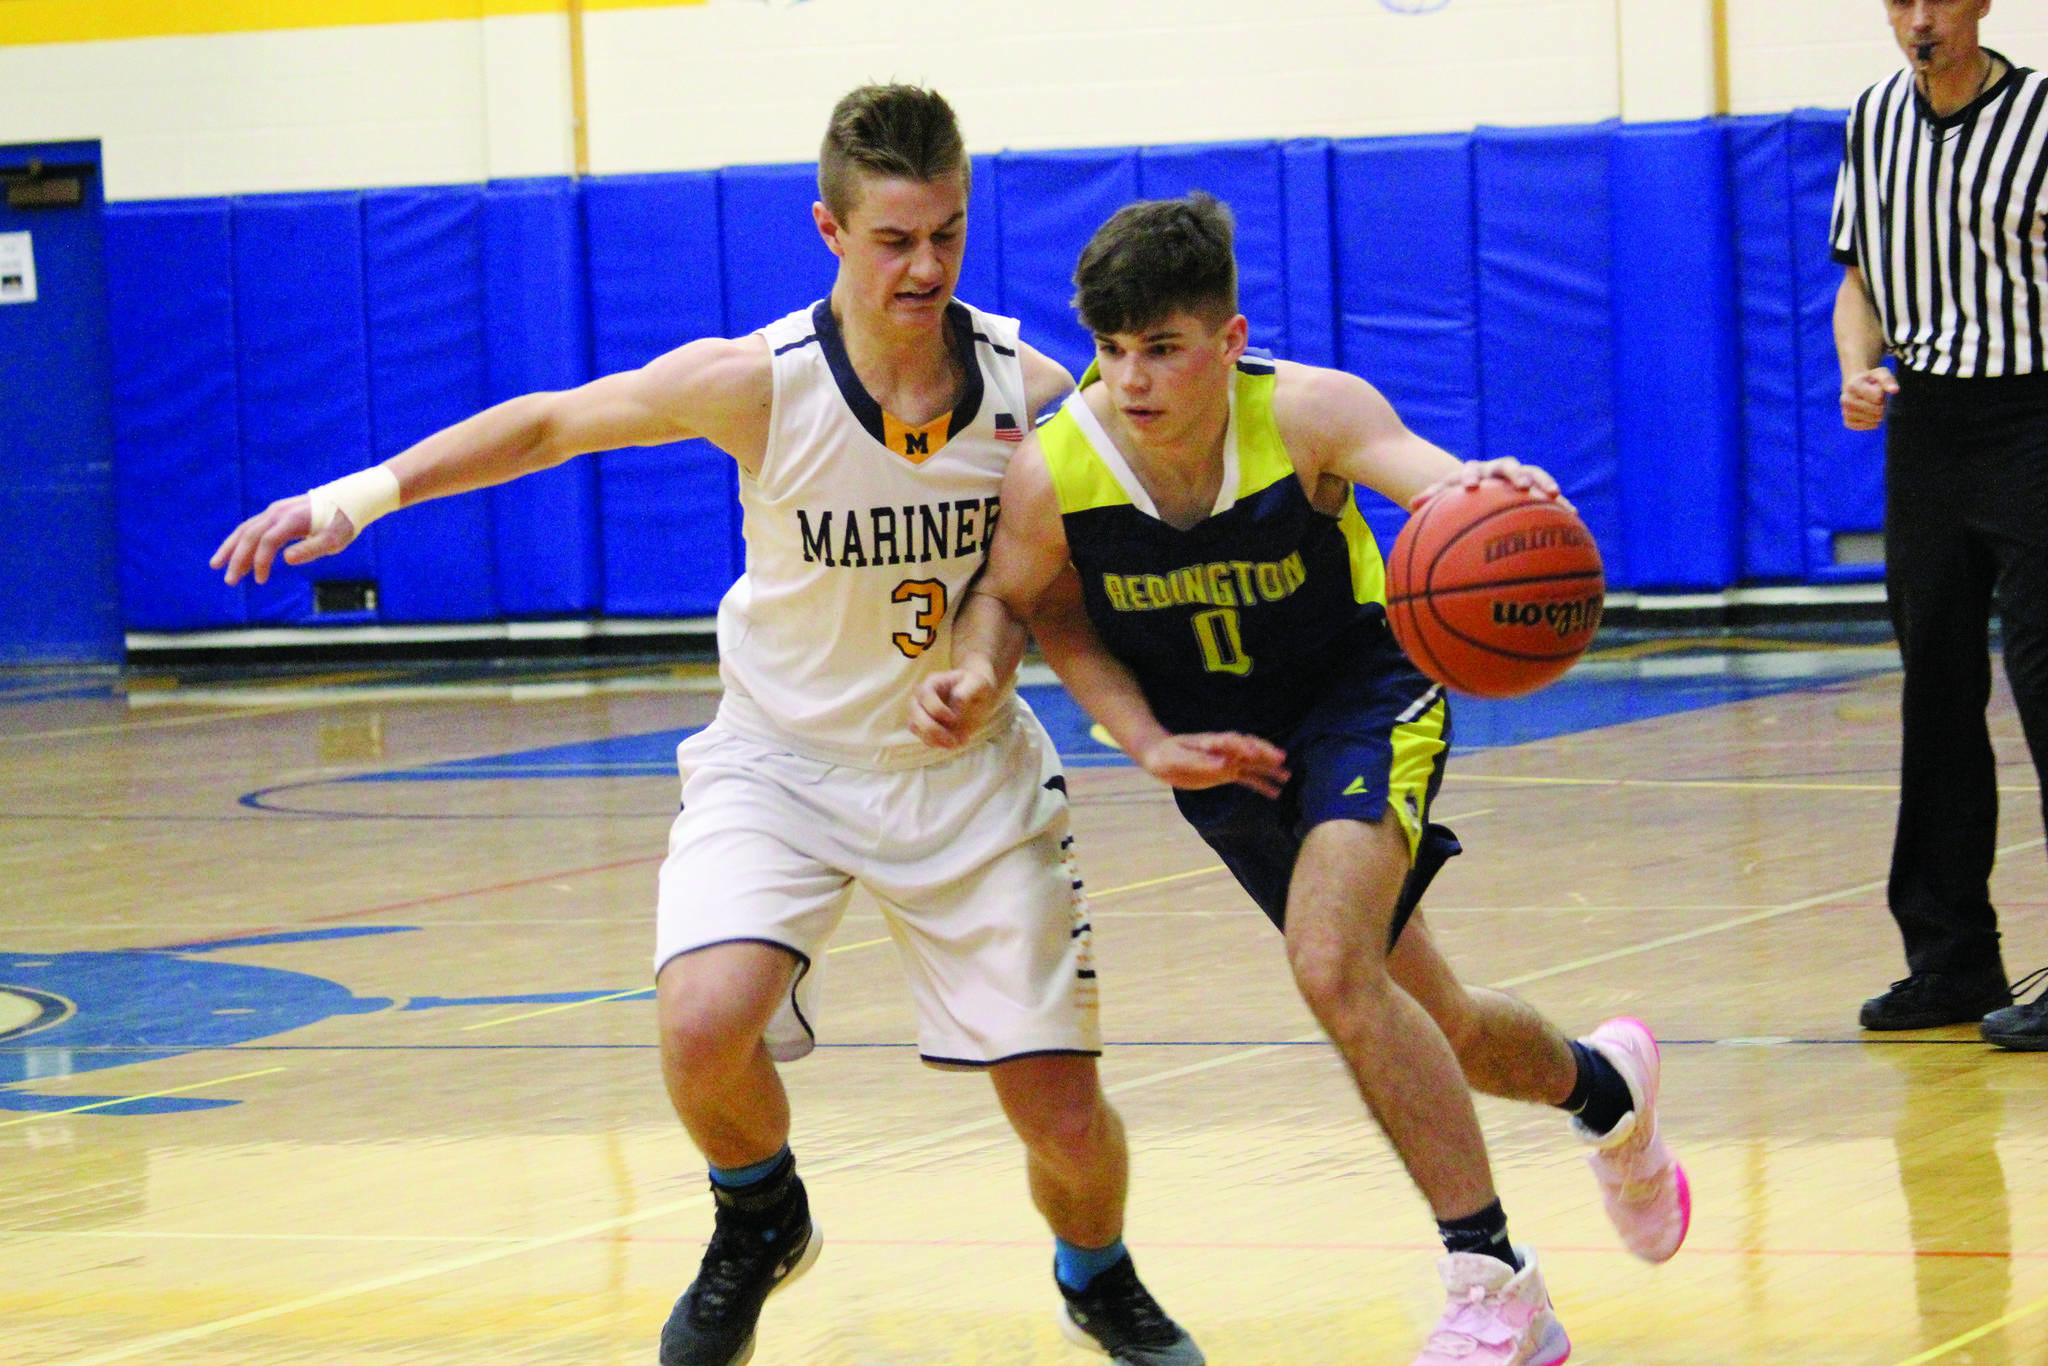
(1865, 397)
(1212, 759)
(252, 547)
(1528, 478)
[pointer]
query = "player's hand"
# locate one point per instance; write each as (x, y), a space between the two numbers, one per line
(1528, 478)
(949, 707)
(1864, 398)
(253, 546)
(1214, 758)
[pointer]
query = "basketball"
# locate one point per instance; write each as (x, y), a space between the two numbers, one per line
(1494, 591)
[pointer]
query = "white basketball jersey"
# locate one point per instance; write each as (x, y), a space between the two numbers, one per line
(862, 535)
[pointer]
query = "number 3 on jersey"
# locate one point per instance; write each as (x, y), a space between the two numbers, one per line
(930, 595)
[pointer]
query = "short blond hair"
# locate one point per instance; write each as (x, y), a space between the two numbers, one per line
(901, 131)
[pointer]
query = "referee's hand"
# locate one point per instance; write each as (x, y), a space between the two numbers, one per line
(1864, 398)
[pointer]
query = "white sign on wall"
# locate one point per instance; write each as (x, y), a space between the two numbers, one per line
(17, 268)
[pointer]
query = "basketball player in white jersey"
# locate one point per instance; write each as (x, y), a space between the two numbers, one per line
(872, 432)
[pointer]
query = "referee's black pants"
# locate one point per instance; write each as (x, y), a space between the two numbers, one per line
(1966, 522)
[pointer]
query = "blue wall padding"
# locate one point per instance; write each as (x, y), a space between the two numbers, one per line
(1678, 375)
(1646, 310)
(423, 272)
(1052, 203)
(981, 273)
(1407, 294)
(1844, 470)
(669, 514)
(773, 259)
(1773, 494)
(1248, 177)
(1309, 243)
(537, 337)
(304, 370)
(177, 446)
(57, 493)
(1546, 310)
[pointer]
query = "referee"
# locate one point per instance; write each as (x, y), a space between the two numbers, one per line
(1942, 224)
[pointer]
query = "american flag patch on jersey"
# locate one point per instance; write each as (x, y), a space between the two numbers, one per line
(1007, 428)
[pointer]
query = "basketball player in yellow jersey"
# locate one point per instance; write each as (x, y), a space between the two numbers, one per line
(872, 432)
(1183, 540)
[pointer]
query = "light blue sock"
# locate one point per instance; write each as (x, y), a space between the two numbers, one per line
(1075, 1267)
(730, 1177)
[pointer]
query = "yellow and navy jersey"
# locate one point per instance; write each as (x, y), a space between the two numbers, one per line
(1238, 622)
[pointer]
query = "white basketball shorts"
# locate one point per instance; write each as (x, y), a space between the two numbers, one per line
(970, 858)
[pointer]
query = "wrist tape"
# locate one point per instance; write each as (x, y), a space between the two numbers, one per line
(365, 496)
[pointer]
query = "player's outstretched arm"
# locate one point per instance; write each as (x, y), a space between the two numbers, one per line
(714, 388)
(1346, 429)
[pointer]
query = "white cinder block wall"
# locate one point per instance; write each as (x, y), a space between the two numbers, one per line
(692, 85)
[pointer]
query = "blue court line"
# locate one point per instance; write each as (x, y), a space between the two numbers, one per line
(11, 697)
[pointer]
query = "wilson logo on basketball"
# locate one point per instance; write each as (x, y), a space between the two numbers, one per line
(1534, 538)
(1566, 618)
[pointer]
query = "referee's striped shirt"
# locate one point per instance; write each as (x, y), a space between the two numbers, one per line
(1947, 220)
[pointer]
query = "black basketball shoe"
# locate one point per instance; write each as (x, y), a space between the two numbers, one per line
(1118, 1317)
(763, 1240)
(1928, 1000)
(2022, 1028)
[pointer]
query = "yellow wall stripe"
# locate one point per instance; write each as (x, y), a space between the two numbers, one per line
(89, 21)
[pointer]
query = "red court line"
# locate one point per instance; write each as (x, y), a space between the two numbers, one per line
(391, 907)
(1431, 1247)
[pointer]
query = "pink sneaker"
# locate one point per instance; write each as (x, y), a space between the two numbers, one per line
(1496, 1317)
(1647, 1195)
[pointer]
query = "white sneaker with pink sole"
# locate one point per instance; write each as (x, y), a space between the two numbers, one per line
(1497, 1316)
(1645, 1190)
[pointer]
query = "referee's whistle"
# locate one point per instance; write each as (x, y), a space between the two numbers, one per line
(1925, 52)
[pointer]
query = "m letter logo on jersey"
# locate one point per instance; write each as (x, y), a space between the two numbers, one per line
(1007, 428)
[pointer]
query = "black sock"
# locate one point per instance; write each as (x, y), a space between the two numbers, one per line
(1485, 1232)
(1600, 1097)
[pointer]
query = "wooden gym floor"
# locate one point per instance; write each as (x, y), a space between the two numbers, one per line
(323, 1038)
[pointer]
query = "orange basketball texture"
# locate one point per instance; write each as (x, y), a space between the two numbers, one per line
(1494, 591)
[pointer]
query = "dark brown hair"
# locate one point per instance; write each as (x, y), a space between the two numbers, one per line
(1154, 258)
(902, 131)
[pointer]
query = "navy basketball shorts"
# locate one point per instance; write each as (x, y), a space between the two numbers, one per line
(1375, 742)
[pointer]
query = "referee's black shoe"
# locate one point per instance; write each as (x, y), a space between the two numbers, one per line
(2022, 1028)
(763, 1240)
(1928, 1000)
(1118, 1317)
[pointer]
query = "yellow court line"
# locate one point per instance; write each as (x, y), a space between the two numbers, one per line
(1735, 784)
(148, 1095)
(843, 948)
(1155, 881)
(863, 944)
(153, 1346)
(553, 1010)
(1724, 645)
(1934, 1353)
(1736, 922)
(122, 727)
(622, 995)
